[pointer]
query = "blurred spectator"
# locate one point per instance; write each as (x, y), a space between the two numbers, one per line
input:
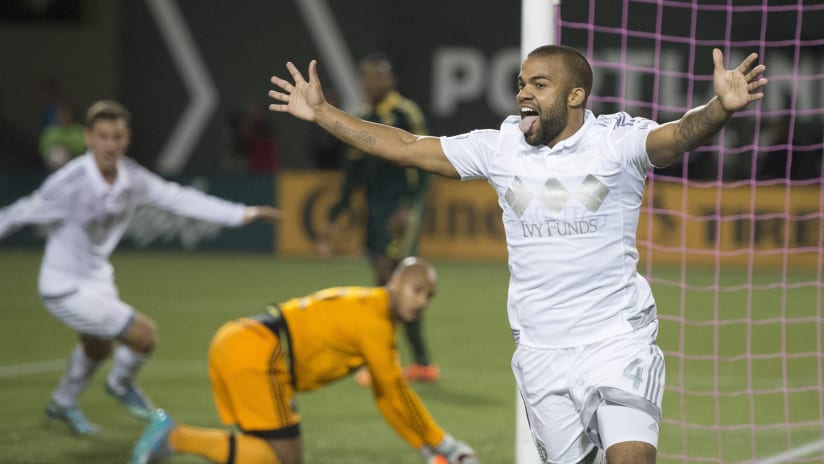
(255, 141)
(64, 139)
(51, 102)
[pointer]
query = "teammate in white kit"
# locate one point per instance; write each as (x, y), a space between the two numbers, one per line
(85, 207)
(570, 187)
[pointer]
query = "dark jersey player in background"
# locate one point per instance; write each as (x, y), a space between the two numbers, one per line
(394, 199)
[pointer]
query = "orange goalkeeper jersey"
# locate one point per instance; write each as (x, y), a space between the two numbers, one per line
(335, 331)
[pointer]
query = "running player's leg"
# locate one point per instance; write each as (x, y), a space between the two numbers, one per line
(94, 311)
(388, 245)
(405, 228)
(85, 358)
(137, 341)
(83, 362)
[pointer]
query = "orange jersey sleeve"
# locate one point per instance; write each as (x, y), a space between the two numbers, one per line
(335, 331)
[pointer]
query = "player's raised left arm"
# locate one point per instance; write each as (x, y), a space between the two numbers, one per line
(734, 90)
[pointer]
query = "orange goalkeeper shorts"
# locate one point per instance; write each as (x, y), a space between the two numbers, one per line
(251, 380)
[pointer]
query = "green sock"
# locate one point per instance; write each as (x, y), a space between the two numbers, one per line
(414, 334)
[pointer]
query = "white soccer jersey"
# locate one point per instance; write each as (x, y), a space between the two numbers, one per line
(86, 217)
(570, 213)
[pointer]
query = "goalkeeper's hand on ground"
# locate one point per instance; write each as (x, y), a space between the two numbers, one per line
(454, 451)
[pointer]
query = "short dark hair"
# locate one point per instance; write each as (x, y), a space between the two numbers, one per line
(376, 58)
(579, 72)
(107, 110)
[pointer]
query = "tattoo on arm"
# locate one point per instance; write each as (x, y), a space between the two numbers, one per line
(697, 126)
(352, 134)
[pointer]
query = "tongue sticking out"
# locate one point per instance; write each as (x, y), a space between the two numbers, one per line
(527, 123)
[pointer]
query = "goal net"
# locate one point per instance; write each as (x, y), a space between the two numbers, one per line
(731, 239)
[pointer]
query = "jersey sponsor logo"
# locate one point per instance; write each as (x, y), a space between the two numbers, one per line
(554, 197)
(561, 228)
(100, 228)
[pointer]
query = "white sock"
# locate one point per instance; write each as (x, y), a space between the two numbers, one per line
(79, 372)
(127, 364)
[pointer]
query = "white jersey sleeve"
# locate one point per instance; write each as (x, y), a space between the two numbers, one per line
(628, 135)
(155, 191)
(46, 205)
(471, 153)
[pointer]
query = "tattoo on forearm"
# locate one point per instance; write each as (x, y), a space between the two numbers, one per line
(349, 133)
(696, 127)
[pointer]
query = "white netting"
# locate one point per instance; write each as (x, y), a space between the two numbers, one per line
(731, 238)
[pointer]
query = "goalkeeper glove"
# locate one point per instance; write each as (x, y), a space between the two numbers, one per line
(454, 451)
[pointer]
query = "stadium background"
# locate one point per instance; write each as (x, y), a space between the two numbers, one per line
(462, 72)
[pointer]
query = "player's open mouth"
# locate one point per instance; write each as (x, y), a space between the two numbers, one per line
(529, 118)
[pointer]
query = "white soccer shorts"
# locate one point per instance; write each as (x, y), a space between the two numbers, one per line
(92, 309)
(562, 389)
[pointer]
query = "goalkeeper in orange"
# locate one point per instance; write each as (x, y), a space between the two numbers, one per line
(256, 365)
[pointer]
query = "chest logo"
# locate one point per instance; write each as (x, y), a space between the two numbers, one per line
(553, 196)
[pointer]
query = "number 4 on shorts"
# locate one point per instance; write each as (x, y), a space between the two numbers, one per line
(635, 375)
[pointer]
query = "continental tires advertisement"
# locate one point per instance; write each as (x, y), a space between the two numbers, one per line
(461, 219)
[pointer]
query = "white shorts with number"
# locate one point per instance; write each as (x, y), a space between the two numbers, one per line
(562, 389)
(93, 308)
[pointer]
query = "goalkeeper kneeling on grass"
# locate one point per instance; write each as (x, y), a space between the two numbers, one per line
(256, 364)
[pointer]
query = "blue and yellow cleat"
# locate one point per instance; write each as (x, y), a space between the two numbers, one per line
(153, 445)
(73, 416)
(134, 399)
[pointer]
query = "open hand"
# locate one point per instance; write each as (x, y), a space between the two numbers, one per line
(261, 213)
(301, 98)
(736, 88)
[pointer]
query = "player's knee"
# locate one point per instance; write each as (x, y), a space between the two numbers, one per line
(141, 335)
(631, 453)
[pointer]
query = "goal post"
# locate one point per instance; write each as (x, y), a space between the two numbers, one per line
(537, 28)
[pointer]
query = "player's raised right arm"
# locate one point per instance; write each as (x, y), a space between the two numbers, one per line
(304, 99)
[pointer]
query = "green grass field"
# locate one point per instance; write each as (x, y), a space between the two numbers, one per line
(191, 294)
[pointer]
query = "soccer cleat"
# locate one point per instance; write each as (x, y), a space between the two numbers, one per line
(73, 416)
(134, 399)
(153, 445)
(429, 373)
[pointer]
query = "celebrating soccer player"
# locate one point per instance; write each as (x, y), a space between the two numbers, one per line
(570, 186)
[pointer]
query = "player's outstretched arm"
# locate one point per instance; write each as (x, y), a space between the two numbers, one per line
(734, 90)
(304, 100)
(261, 213)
